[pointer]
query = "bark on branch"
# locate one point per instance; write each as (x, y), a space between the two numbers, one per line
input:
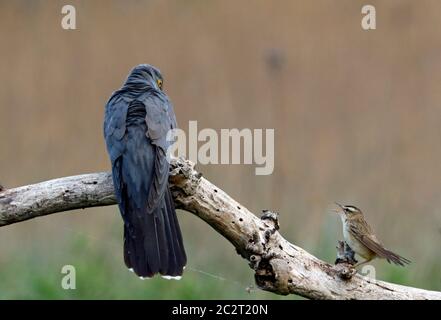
(279, 266)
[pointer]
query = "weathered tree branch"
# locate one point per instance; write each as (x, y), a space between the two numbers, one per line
(279, 266)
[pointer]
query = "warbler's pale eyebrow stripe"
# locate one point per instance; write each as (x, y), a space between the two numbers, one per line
(350, 209)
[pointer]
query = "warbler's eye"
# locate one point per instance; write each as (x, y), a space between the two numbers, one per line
(159, 82)
(350, 209)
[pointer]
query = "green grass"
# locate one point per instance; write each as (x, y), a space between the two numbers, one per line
(31, 269)
(101, 274)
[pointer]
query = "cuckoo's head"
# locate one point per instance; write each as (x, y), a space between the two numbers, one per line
(145, 75)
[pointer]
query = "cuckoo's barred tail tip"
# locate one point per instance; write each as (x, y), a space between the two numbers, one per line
(172, 278)
(164, 277)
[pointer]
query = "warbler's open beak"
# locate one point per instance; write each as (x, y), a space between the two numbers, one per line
(338, 210)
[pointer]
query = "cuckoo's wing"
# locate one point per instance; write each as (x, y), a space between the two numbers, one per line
(115, 126)
(160, 119)
(373, 244)
(150, 209)
(114, 131)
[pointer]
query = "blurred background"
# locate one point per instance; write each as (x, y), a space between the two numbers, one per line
(356, 116)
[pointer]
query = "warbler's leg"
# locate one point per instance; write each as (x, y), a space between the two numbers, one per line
(361, 263)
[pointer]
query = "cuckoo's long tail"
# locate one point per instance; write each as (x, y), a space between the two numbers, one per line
(153, 241)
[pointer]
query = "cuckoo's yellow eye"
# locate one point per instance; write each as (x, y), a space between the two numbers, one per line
(159, 82)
